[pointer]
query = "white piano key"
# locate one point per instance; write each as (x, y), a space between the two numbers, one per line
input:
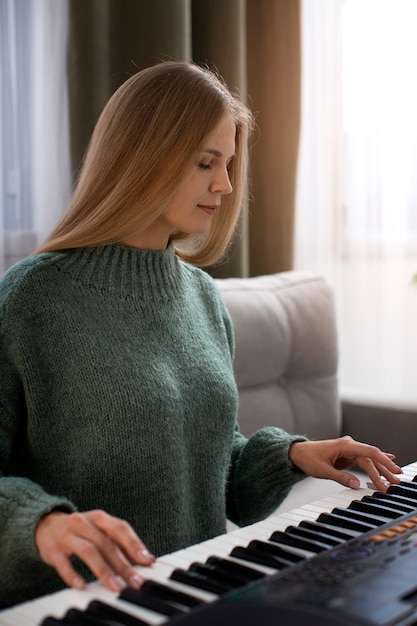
(268, 571)
(11, 617)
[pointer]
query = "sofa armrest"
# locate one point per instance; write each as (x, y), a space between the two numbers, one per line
(286, 352)
(387, 422)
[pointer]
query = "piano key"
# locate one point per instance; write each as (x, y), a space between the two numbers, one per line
(194, 579)
(287, 539)
(106, 611)
(393, 501)
(251, 555)
(396, 499)
(12, 618)
(233, 582)
(75, 617)
(375, 508)
(343, 535)
(410, 484)
(150, 617)
(403, 490)
(267, 570)
(245, 573)
(372, 521)
(168, 593)
(96, 591)
(140, 597)
(315, 535)
(267, 554)
(336, 519)
(163, 577)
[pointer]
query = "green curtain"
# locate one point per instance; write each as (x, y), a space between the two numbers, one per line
(254, 44)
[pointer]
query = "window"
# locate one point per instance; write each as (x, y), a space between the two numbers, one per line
(34, 148)
(356, 219)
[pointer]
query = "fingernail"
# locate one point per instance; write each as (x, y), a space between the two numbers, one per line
(78, 582)
(135, 581)
(115, 583)
(354, 483)
(144, 554)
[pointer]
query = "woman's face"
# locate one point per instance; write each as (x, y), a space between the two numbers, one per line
(199, 196)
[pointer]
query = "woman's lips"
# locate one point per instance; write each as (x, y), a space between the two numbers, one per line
(209, 209)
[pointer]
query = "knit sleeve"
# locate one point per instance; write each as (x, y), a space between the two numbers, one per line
(261, 474)
(22, 502)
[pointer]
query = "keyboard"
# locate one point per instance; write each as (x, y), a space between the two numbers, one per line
(282, 568)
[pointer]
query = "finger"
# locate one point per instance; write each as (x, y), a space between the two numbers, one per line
(64, 569)
(377, 456)
(347, 480)
(103, 557)
(374, 472)
(123, 536)
(90, 554)
(343, 478)
(114, 562)
(391, 477)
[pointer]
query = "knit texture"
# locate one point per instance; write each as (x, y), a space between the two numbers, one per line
(117, 392)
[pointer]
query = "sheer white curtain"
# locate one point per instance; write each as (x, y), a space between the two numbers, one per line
(34, 145)
(357, 184)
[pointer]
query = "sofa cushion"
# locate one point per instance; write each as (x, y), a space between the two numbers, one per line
(286, 352)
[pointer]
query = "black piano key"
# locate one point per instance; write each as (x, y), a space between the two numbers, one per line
(260, 557)
(268, 554)
(315, 534)
(394, 502)
(394, 498)
(414, 480)
(375, 508)
(54, 621)
(288, 539)
(214, 574)
(410, 484)
(112, 614)
(343, 535)
(336, 519)
(288, 556)
(199, 581)
(370, 520)
(169, 594)
(149, 601)
(247, 574)
(76, 617)
(404, 491)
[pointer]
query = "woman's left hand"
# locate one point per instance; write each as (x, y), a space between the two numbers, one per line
(329, 458)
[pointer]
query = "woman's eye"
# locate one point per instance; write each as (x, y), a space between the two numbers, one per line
(204, 166)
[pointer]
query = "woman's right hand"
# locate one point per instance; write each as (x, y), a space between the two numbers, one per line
(107, 545)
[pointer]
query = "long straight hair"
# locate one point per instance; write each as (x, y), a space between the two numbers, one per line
(141, 148)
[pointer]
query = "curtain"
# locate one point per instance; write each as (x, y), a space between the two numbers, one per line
(356, 200)
(254, 44)
(34, 154)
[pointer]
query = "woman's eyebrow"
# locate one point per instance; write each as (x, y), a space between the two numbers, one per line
(216, 153)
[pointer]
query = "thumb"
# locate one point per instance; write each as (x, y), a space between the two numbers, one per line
(346, 479)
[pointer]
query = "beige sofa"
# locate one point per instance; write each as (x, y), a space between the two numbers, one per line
(286, 368)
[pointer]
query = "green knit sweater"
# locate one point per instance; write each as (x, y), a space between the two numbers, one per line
(117, 392)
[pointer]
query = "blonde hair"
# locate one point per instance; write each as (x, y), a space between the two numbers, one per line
(141, 147)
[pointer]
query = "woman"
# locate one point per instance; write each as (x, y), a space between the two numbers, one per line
(118, 405)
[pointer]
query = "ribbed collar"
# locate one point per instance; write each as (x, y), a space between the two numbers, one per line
(125, 271)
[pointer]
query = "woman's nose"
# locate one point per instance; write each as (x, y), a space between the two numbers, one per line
(222, 184)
